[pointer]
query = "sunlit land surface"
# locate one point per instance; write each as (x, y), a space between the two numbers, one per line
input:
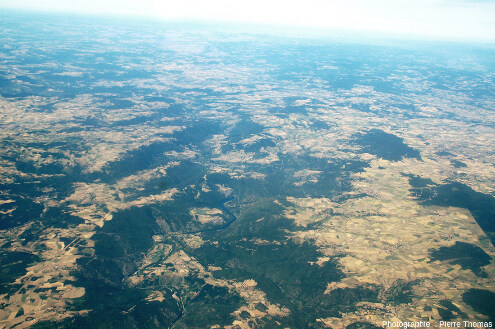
(159, 175)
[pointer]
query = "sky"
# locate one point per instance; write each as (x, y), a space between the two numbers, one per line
(461, 20)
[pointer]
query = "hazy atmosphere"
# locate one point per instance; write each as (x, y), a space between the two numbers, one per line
(461, 20)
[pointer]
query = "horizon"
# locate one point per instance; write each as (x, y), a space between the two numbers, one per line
(457, 21)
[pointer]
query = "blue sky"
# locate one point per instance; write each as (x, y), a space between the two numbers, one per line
(430, 19)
